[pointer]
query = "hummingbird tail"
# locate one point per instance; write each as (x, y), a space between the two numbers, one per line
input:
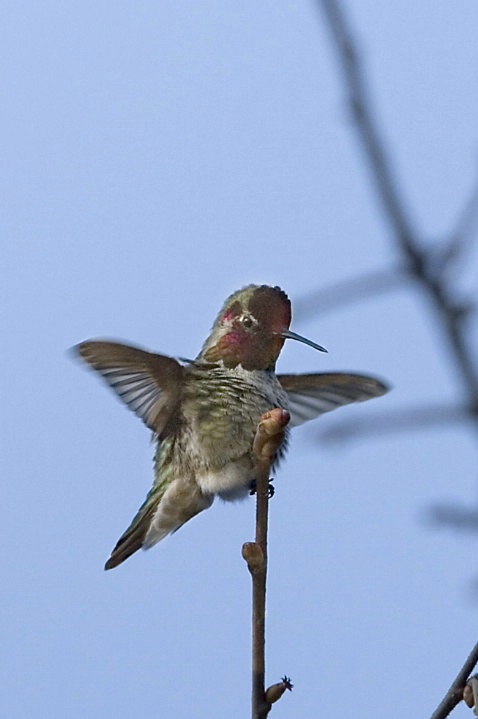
(132, 539)
(164, 511)
(181, 502)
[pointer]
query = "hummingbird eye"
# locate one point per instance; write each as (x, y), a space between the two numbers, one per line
(247, 321)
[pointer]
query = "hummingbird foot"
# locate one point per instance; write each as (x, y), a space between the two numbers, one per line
(253, 488)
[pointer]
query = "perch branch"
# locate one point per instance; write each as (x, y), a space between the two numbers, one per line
(269, 437)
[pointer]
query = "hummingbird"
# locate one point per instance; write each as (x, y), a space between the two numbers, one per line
(204, 412)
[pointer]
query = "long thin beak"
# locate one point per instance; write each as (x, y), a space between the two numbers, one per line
(293, 336)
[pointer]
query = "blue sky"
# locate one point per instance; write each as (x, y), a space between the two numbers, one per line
(157, 157)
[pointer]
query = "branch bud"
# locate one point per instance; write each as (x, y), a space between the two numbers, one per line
(254, 557)
(470, 693)
(270, 434)
(468, 697)
(274, 693)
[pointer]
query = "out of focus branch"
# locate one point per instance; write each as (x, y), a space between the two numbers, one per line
(269, 437)
(420, 260)
(429, 266)
(404, 420)
(455, 693)
(386, 184)
(351, 290)
(463, 234)
(463, 518)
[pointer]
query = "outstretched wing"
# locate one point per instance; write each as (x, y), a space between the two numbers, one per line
(311, 395)
(148, 383)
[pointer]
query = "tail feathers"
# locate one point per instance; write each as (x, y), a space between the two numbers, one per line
(181, 502)
(166, 508)
(133, 538)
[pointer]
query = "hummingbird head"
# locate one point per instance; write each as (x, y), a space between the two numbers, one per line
(251, 329)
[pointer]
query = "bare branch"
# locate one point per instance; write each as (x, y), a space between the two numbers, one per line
(426, 264)
(467, 224)
(464, 518)
(269, 437)
(351, 290)
(411, 418)
(421, 261)
(455, 693)
(376, 155)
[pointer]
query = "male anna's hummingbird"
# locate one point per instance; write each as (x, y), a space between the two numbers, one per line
(204, 413)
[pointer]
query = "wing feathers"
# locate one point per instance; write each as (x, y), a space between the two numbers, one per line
(149, 384)
(311, 395)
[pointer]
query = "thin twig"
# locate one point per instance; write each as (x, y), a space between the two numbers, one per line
(269, 437)
(455, 693)
(259, 585)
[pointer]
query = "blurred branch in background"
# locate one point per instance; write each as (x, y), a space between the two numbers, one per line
(455, 517)
(405, 420)
(458, 245)
(431, 266)
(428, 265)
(352, 290)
